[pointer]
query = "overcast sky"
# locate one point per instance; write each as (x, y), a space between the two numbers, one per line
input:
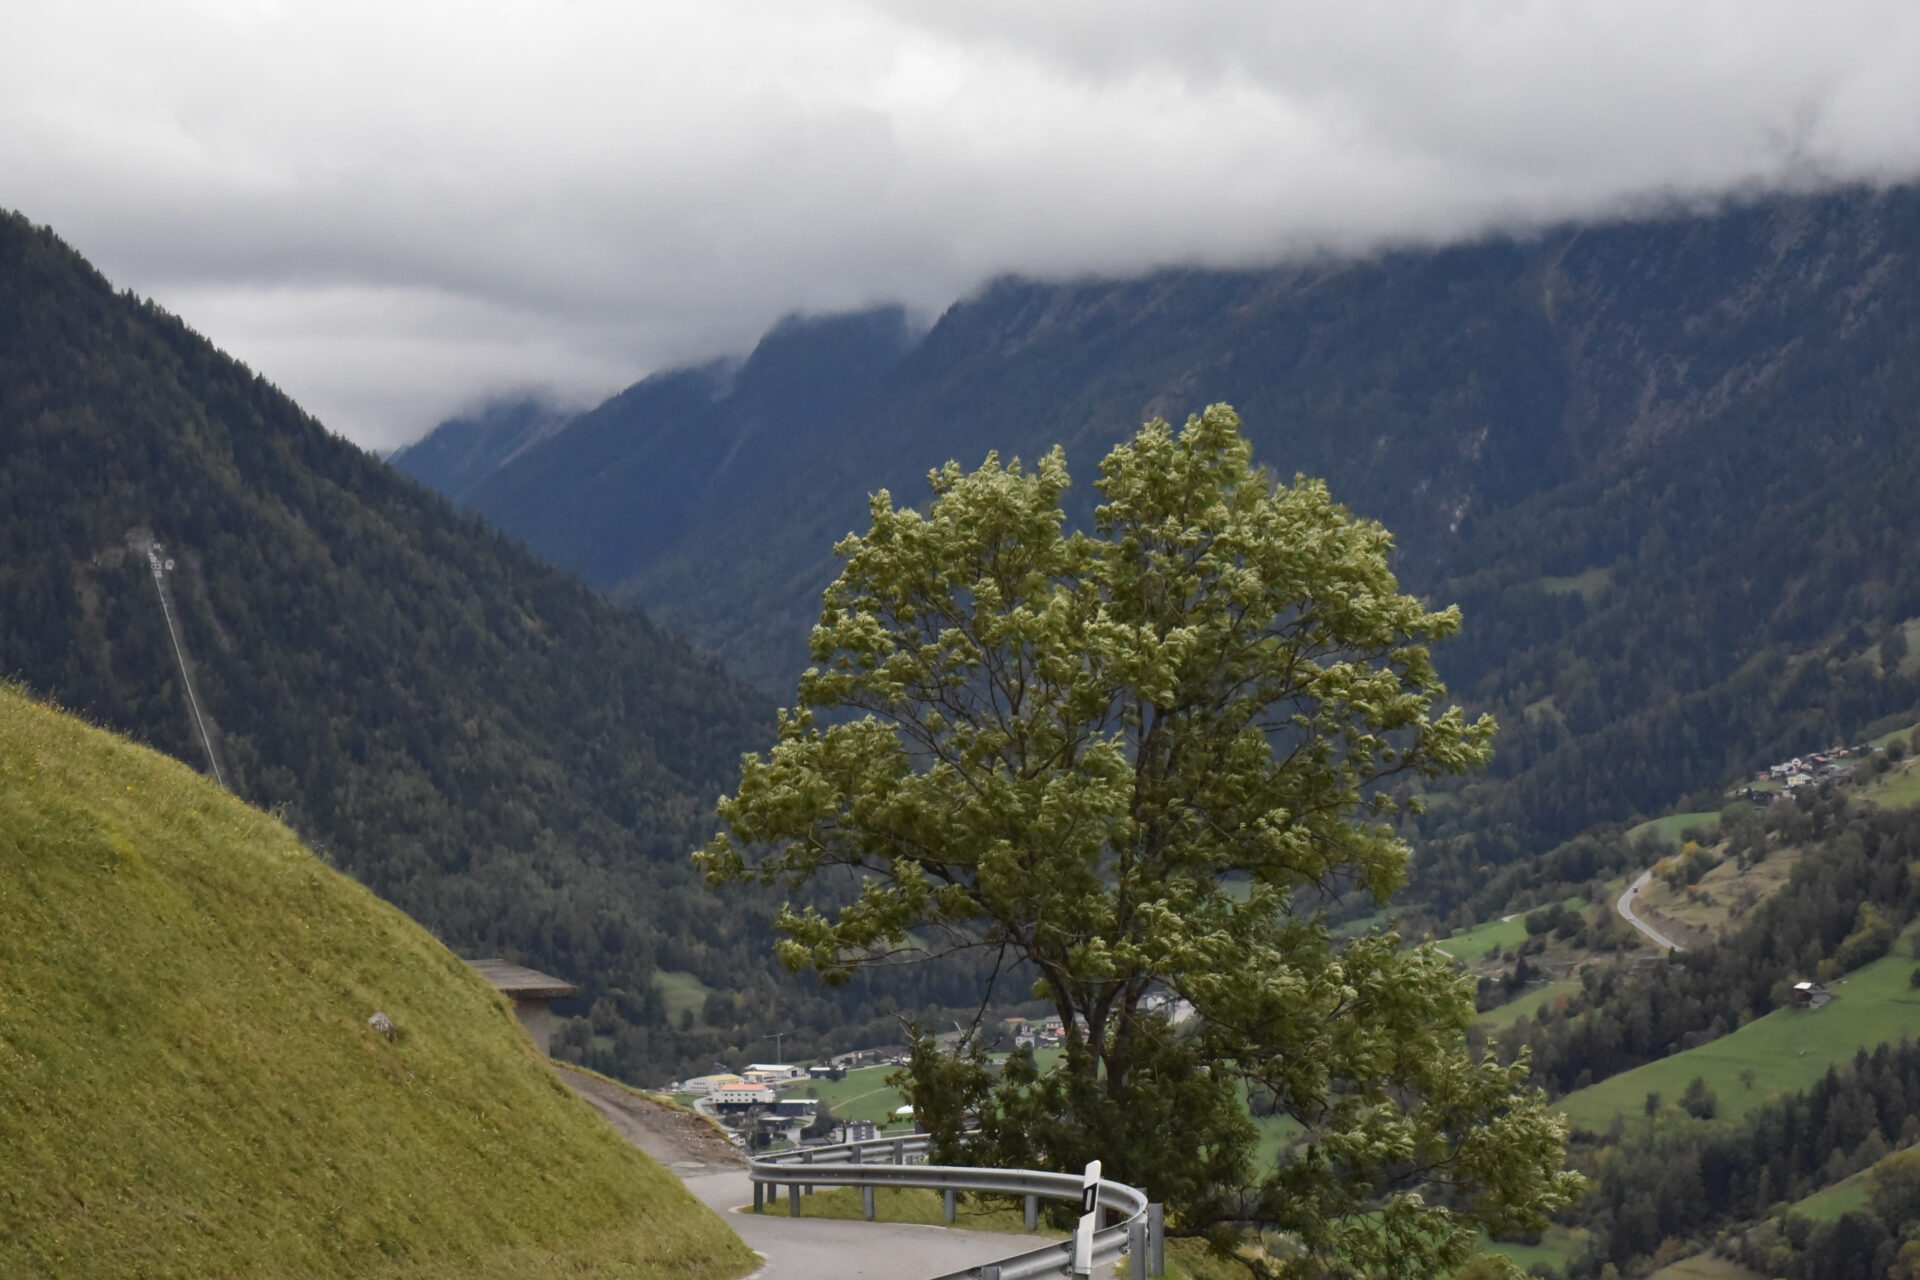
(392, 209)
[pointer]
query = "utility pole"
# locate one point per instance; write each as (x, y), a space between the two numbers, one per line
(776, 1037)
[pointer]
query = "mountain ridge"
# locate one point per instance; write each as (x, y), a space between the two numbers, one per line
(476, 736)
(1540, 399)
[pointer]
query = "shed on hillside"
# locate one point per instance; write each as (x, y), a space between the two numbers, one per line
(1810, 995)
(532, 993)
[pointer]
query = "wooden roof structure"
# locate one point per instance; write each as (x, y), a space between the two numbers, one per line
(522, 983)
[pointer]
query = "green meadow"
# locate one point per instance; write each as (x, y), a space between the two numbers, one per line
(1470, 946)
(1830, 1203)
(1528, 1003)
(1670, 827)
(189, 1085)
(1786, 1050)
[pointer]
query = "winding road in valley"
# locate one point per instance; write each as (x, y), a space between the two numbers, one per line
(1626, 909)
(794, 1248)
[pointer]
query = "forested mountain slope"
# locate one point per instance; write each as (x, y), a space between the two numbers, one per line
(627, 481)
(189, 1084)
(479, 738)
(1665, 465)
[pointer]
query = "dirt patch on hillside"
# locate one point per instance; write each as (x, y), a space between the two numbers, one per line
(684, 1142)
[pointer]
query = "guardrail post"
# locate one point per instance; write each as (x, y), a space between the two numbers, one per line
(1156, 1241)
(759, 1196)
(793, 1199)
(1137, 1249)
(899, 1150)
(866, 1202)
(806, 1157)
(991, 1271)
(1033, 1212)
(952, 1205)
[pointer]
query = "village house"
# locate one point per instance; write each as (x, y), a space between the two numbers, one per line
(706, 1085)
(742, 1093)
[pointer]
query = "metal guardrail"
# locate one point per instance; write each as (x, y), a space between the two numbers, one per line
(1138, 1230)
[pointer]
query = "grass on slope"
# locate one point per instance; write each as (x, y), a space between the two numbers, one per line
(1470, 946)
(1704, 1266)
(681, 993)
(189, 1087)
(1670, 827)
(1557, 1247)
(1830, 1204)
(1788, 1049)
(909, 1204)
(861, 1095)
(1899, 788)
(1528, 1003)
(1725, 894)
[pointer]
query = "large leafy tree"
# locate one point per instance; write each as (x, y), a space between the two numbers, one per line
(1137, 763)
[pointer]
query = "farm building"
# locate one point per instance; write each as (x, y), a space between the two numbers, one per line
(772, 1071)
(1810, 995)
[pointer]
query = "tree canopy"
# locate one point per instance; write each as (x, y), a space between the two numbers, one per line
(1137, 763)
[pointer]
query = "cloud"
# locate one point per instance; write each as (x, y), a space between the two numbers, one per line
(391, 208)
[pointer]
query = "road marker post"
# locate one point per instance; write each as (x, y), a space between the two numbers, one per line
(1089, 1220)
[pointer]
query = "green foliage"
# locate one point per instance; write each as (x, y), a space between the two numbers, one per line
(189, 1085)
(1122, 758)
(1872, 936)
(1699, 1101)
(1893, 1188)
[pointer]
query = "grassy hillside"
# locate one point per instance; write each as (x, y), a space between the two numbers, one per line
(189, 1085)
(1786, 1050)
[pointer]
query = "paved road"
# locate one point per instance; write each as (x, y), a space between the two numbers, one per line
(794, 1248)
(829, 1249)
(1626, 909)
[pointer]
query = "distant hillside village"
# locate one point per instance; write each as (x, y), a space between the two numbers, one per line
(763, 1105)
(1834, 765)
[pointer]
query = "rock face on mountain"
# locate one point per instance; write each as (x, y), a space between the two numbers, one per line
(478, 737)
(1564, 431)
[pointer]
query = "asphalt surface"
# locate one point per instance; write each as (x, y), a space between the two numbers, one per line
(830, 1249)
(1626, 909)
(794, 1248)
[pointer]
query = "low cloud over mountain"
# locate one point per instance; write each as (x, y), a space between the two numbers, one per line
(392, 208)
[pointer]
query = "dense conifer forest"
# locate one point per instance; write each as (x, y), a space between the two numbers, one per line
(1664, 465)
(479, 738)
